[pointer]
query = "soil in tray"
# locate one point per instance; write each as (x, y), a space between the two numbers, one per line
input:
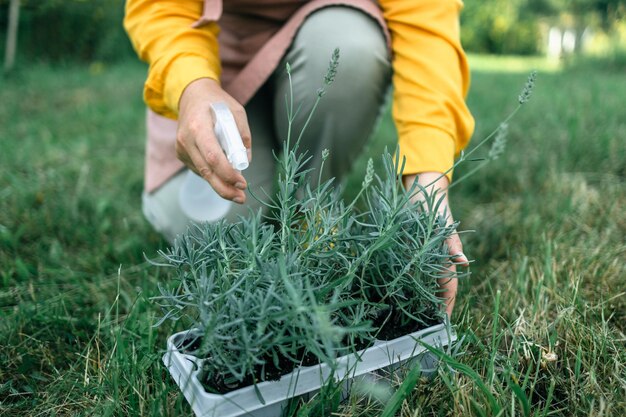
(392, 328)
(271, 373)
(392, 324)
(220, 386)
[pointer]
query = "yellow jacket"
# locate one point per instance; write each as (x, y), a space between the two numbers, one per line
(431, 75)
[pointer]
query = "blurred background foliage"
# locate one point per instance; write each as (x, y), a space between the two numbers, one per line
(521, 27)
(91, 30)
(69, 30)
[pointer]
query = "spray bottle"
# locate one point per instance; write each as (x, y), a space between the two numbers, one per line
(197, 198)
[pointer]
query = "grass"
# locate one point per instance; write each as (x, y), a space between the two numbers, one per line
(543, 314)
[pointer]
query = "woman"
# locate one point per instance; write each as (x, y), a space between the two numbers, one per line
(234, 51)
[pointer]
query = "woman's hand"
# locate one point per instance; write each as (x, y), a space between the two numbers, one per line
(196, 144)
(439, 183)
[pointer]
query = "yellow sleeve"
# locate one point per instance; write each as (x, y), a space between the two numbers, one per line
(162, 34)
(431, 79)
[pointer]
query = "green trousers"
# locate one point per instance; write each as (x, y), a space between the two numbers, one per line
(342, 122)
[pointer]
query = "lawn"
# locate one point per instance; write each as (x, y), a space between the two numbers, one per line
(543, 315)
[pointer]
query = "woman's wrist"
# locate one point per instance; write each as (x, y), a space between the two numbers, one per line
(197, 90)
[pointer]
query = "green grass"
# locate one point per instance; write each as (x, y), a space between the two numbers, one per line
(549, 220)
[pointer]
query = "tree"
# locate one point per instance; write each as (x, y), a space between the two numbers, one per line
(11, 43)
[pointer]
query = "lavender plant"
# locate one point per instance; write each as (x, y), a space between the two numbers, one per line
(317, 278)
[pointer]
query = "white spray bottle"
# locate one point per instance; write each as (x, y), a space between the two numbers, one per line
(197, 198)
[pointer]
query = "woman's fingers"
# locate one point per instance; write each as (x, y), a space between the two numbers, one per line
(448, 286)
(455, 249)
(214, 157)
(213, 166)
(199, 150)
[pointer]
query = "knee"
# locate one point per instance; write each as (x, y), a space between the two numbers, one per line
(364, 56)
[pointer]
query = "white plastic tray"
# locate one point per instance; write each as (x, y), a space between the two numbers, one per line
(184, 369)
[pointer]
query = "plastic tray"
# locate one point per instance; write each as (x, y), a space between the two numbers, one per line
(184, 369)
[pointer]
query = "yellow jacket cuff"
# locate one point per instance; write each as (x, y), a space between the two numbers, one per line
(427, 149)
(183, 72)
